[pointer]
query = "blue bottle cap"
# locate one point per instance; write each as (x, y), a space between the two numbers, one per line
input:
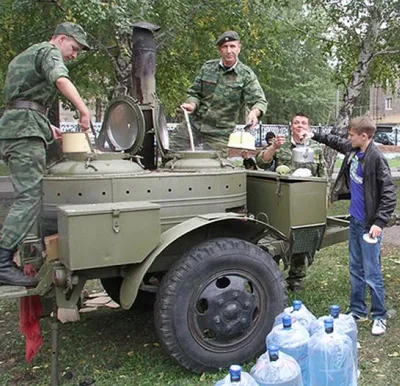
(297, 304)
(328, 323)
(335, 309)
(235, 372)
(273, 353)
(287, 321)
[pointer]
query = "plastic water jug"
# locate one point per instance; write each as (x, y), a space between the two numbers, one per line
(276, 368)
(343, 324)
(237, 377)
(292, 339)
(299, 313)
(331, 358)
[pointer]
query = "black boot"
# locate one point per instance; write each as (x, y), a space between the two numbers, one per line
(10, 274)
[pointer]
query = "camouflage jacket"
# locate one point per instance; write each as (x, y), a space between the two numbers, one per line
(283, 156)
(31, 76)
(221, 94)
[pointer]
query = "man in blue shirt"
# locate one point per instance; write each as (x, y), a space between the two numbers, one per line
(364, 178)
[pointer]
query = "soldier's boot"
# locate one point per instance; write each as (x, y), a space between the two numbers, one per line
(10, 274)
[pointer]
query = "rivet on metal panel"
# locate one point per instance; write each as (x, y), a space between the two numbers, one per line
(116, 225)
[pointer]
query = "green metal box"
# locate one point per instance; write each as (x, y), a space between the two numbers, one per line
(286, 202)
(108, 234)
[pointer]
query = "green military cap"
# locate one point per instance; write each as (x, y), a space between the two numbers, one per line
(73, 30)
(227, 36)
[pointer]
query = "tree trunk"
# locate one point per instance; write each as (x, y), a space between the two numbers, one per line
(353, 89)
(99, 110)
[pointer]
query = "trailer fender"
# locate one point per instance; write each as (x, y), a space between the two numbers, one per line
(134, 274)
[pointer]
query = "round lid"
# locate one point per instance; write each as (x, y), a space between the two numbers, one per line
(297, 304)
(124, 125)
(160, 128)
(287, 321)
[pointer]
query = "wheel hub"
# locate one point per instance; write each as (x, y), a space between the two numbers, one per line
(226, 309)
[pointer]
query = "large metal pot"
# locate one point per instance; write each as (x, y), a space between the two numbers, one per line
(303, 154)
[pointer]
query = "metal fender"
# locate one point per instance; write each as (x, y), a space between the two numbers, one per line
(134, 273)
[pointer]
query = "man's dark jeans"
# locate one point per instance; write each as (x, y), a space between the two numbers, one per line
(365, 269)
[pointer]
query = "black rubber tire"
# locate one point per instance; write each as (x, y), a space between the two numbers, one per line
(144, 301)
(186, 306)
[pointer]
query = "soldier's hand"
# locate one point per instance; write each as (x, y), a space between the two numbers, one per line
(57, 133)
(279, 141)
(252, 118)
(190, 107)
(84, 121)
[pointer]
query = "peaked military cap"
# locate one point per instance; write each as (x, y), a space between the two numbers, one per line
(227, 36)
(73, 30)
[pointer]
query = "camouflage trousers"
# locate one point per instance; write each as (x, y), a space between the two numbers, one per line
(26, 161)
(204, 136)
(298, 268)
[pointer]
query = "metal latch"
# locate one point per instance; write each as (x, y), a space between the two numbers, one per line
(116, 225)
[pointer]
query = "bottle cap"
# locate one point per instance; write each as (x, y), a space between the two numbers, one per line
(328, 323)
(273, 353)
(297, 304)
(235, 372)
(335, 309)
(287, 321)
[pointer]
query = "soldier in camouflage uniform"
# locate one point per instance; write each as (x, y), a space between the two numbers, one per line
(281, 152)
(220, 91)
(33, 79)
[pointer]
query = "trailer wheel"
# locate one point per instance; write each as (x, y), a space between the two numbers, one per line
(217, 304)
(144, 299)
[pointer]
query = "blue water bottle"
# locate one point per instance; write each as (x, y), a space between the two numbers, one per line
(292, 339)
(275, 368)
(330, 357)
(343, 324)
(299, 313)
(237, 377)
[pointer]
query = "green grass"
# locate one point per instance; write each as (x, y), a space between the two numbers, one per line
(120, 348)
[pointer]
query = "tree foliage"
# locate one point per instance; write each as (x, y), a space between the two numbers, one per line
(300, 50)
(291, 67)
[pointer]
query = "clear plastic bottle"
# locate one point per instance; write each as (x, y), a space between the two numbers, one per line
(276, 368)
(237, 377)
(331, 358)
(292, 339)
(343, 324)
(299, 313)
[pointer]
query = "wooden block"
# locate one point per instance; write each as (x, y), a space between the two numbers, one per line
(51, 246)
(67, 315)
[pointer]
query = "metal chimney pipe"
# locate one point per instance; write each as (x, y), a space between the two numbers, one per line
(144, 62)
(144, 85)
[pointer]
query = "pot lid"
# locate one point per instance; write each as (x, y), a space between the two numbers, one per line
(160, 128)
(123, 127)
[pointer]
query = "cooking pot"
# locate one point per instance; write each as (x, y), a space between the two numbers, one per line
(303, 154)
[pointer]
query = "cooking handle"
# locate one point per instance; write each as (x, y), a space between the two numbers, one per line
(186, 114)
(247, 127)
(88, 138)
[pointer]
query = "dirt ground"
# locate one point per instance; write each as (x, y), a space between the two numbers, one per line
(391, 236)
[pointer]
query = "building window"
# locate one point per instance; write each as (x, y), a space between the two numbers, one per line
(388, 104)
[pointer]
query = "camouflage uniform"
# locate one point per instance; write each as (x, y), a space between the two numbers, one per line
(283, 156)
(219, 95)
(24, 133)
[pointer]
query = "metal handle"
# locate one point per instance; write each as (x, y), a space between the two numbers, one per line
(89, 142)
(186, 114)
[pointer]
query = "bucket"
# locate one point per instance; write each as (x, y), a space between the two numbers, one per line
(75, 143)
(242, 140)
